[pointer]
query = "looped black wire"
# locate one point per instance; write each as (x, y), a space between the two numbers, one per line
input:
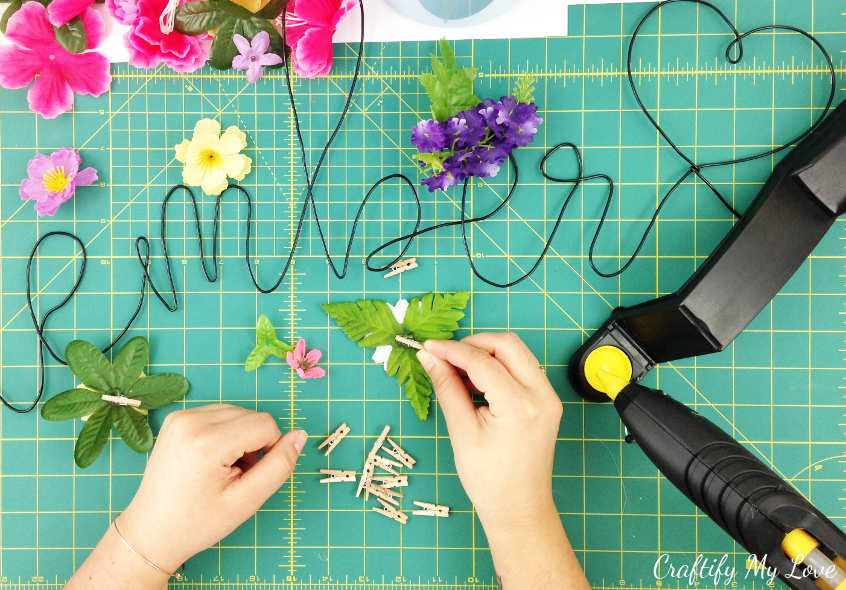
(143, 249)
(695, 168)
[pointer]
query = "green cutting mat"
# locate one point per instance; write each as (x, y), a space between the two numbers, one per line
(778, 388)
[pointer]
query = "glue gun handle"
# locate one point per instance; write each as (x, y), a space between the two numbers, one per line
(741, 494)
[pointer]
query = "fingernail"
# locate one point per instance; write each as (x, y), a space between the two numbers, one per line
(425, 359)
(300, 437)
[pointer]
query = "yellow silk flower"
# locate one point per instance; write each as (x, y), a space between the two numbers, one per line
(210, 157)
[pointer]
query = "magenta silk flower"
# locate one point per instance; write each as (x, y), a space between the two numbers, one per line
(53, 179)
(61, 11)
(124, 11)
(57, 73)
(305, 363)
(253, 55)
(149, 46)
(308, 32)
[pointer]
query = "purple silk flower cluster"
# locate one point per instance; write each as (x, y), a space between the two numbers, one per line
(475, 142)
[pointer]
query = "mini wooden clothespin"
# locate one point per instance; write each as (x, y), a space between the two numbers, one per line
(409, 342)
(431, 509)
(401, 266)
(387, 494)
(121, 400)
(387, 510)
(333, 439)
(400, 454)
(367, 472)
(391, 481)
(380, 493)
(385, 464)
(337, 475)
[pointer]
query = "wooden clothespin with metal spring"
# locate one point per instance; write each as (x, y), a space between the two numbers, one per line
(398, 453)
(337, 475)
(333, 439)
(431, 509)
(401, 266)
(387, 494)
(387, 510)
(367, 472)
(121, 400)
(409, 342)
(390, 481)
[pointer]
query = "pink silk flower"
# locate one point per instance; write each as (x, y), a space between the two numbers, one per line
(61, 11)
(308, 32)
(305, 363)
(57, 73)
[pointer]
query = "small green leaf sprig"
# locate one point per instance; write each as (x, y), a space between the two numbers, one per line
(123, 378)
(267, 343)
(370, 323)
(450, 88)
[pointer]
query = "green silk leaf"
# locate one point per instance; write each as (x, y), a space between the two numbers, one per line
(72, 35)
(159, 390)
(73, 403)
(133, 428)
(267, 343)
(280, 349)
(272, 9)
(412, 377)
(196, 18)
(524, 88)
(435, 315)
(450, 88)
(223, 48)
(367, 321)
(93, 436)
(90, 366)
(257, 357)
(130, 362)
(265, 332)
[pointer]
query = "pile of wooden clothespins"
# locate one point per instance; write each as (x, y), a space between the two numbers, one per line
(382, 485)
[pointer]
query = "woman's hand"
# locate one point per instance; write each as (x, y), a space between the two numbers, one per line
(211, 469)
(204, 478)
(503, 451)
(504, 454)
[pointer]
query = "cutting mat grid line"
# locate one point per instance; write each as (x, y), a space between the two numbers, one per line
(779, 388)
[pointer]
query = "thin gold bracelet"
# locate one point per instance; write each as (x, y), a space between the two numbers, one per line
(177, 574)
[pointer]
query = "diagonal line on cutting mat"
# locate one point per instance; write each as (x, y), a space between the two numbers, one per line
(92, 135)
(452, 201)
(552, 249)
(107, 225)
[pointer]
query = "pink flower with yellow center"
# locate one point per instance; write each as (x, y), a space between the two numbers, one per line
(53, 179)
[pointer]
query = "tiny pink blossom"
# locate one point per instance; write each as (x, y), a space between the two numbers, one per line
(305, 363)
(309, 27)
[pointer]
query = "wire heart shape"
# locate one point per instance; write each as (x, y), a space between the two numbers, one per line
(734, 55)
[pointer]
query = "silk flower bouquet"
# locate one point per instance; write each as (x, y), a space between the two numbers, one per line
(467, 136)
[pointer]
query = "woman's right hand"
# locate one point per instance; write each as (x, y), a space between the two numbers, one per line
(504, 454)
(504, 450)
